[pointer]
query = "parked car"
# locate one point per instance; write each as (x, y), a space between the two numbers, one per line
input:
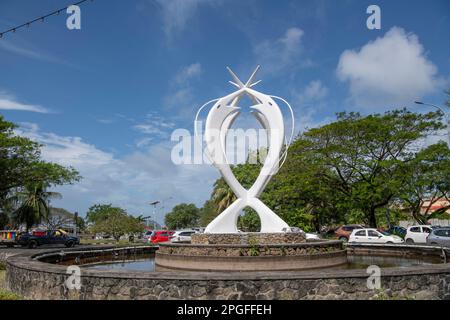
(439, 236)
(148, 234)
(417, 234)
(371, 235)
(182, 236)
(397, 230)
(50, 237)
(343, 232)
(312, 236)
(160, 236)
(199, 229)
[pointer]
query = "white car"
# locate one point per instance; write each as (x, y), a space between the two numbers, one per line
(312, 236)
(373, 236)
(182, 236)
(148, 234)
(417, 234)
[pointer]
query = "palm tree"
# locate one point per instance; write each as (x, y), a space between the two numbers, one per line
(33, 204)
(222, 195)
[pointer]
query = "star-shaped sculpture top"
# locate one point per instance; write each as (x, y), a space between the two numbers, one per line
(240, 85)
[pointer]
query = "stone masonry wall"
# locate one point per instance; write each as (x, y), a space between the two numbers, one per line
(34, 279)
(248, 238)
(250, 250)
(46, 284)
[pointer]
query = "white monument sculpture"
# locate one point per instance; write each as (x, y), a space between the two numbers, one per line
(219, 120)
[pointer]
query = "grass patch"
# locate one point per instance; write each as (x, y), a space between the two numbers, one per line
(383, 294)
(5, 294)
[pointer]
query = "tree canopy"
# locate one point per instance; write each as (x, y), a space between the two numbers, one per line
(183, 216)
(25, 177)
(114, 221)
(350, 170)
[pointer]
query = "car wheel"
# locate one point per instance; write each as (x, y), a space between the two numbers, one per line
(344, 239)
(409, 241)
(69, 244)
(389, 242)
(32, 244)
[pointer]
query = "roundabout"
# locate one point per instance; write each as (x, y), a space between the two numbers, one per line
(43, 275)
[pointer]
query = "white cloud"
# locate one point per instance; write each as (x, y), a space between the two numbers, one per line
(279, 54)
(390, 71)
(181, 99)
(25, 50)
(309, 119)
(177, 13)
(153, 126)
(8, 102)
(312, 94)
(188, 72)
(130, 181)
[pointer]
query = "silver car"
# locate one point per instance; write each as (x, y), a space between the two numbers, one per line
(439, 237)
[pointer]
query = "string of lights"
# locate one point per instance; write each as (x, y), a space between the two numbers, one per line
(42, 18)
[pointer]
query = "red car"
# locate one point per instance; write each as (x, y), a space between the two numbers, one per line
(160, 236)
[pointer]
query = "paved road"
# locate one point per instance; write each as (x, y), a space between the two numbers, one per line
(6, 252)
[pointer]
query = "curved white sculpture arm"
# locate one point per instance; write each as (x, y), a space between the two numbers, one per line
(220, 118)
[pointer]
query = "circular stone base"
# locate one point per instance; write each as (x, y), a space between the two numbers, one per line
(250, 252)
(249, 238)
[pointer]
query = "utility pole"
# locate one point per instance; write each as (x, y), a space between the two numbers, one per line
(75, 225)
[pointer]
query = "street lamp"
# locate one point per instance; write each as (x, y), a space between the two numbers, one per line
(154, 203)
(162, 205)
(446, 115)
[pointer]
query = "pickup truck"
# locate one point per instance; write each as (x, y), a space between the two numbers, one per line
(50, 237)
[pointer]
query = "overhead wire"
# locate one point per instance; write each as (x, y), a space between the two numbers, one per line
(41, 18)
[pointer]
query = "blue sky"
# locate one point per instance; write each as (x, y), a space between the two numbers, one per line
(106, 98)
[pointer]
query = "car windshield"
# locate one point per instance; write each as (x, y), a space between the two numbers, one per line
(383, 232)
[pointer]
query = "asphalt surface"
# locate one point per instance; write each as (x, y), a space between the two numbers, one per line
(6, 252)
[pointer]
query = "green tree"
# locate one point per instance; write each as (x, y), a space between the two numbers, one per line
(20, 163)
(249, 221)
(349, 171)
(33, 205)
(182, 216)
(222, 195)
(117, 224)
(427, 180)
(297, 193)
(100, 212)
(22, 172)
(207, 213)
(364, 156)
